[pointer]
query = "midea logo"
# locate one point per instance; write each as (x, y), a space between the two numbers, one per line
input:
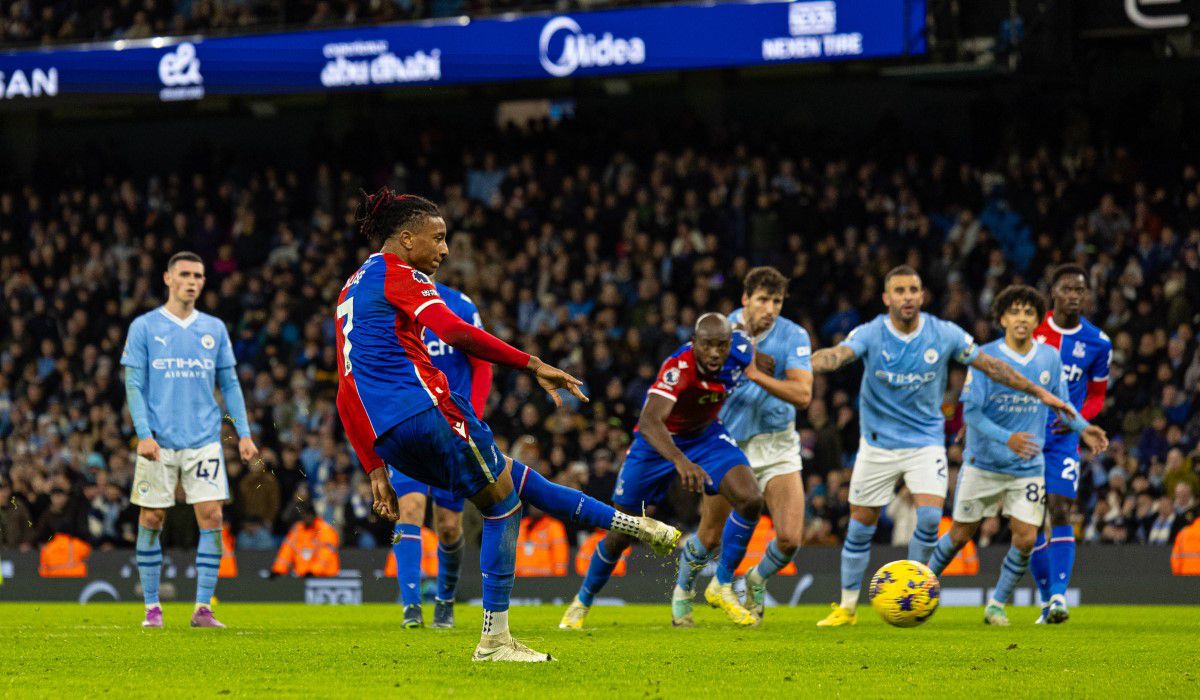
(585, 50)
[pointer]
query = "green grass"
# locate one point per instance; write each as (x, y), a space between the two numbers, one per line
(68, 650)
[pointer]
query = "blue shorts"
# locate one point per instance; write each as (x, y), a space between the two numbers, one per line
(1062, 468)
(646, 475)
(404, 485)
(446, 447)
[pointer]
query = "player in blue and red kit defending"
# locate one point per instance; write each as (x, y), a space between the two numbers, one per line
(1086, 352)
(398, 409)
(467, 376)
(678, 432)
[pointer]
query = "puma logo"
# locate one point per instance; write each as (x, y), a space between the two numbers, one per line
(161, 339)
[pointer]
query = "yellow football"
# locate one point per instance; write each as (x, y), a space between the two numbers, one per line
(905, 593)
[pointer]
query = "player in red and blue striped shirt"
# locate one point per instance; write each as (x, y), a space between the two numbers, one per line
(1086, 353)
(398, 409)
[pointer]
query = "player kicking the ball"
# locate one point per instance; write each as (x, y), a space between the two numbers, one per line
(678, 432)
(398, 409)
(173, 357)
(1003, 461)
(761, 415)
(467, 376)
(906, 355)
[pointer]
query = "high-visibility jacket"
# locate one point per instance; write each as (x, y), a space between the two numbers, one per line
(583, 558)
(1185, 555)
(64, 556)
(429, 561)
(764, 532)
(309, 551)
(966, 562)
(542, 547)
(228, 559)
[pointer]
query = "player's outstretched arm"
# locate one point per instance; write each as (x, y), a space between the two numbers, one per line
(485, 346)
(653, 428)
(832, 359)
(999, 371)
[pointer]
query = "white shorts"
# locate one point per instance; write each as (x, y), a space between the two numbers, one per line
(877, 470)
(980, 492)
(772, 454)
(202, 470)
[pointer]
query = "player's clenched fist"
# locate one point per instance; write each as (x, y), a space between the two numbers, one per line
(149, 449)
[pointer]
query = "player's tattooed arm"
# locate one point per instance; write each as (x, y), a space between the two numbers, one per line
(999, 371)
(832, 359)
(653, 428)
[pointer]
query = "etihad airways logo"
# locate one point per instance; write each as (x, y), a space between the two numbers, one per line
(581, 50)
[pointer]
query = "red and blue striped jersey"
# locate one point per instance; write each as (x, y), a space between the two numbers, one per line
(1086, 353)
(698, 397)
(386, 375)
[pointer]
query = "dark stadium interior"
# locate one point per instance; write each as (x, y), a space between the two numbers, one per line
(595, 241)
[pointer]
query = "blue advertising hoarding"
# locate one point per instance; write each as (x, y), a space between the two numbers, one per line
(463, 50)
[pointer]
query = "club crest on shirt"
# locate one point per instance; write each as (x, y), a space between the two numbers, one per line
(421, 277)
(1080, 349)
(931, 356)
(208, 341)
(671, 376)
(1044, 377)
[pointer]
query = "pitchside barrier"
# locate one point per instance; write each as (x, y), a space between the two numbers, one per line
(1103, 575)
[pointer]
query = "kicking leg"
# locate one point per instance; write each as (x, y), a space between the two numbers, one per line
(572, 506)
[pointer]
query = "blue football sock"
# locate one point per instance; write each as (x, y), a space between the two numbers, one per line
(449, 567)
(568, 505)
(1039, 566)
(1062, 558)
(498, 560)
(692, 560)
(856, 553)
(925, 536)
(1015, 564)
(208, 565)
(600, 569)
(407, 549)
(734, 539)
(773, 560)
(149, 563)
(943, 554)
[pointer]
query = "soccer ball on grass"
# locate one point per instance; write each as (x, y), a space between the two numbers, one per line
(905, 593)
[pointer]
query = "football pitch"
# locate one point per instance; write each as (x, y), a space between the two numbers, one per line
(69, 650)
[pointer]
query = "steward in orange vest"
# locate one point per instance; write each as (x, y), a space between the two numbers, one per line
(1185, 555)
(584, 556)
(966, 562)
(310, 549)
(542, 547)
(64, 556)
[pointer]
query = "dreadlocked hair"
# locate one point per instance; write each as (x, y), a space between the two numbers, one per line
(384, 213)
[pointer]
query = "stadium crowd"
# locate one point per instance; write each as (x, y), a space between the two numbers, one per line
(599, 259)
(73, 21)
